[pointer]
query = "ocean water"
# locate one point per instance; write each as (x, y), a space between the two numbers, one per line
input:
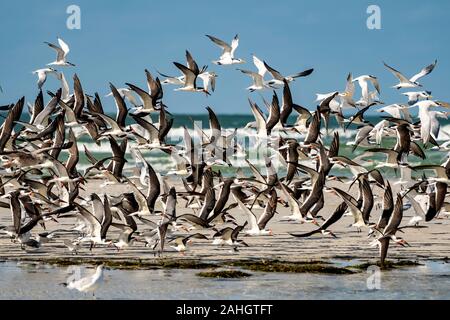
(247, 138)
(39, 281)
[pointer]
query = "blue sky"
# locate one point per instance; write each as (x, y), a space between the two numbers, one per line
(119, 40)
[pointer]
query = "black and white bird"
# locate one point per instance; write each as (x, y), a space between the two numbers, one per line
(61, 54)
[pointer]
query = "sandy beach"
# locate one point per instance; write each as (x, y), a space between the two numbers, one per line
(431, 243)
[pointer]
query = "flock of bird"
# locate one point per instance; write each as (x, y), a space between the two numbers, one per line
(39, 185)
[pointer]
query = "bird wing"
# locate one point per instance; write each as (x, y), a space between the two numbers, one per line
(64, 85)
(269, 211)
(122, 110)
(234, 45)
(350, 86)
(275, 74)
(225, 46)
(151, 129)
(392, 154)
(143, 95)
(352, 204)
(110, 122)
(396, 218)
(193, 219)
(251, 218)
(417, 207)
(376, 84)
(191, 63)
(214, 124)
(425, 71)
(397, 73)
(98, 209)
(260, 120)
(64, 47)
(60, 54)
(257, 78)
(260, 66)
(89, 217)
(73, 153)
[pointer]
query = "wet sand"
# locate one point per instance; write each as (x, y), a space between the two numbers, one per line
(432, 243)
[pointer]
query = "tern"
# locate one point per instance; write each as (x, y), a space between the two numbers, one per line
(62, 50)
(412, 82)
(227, 57)
(88, 283)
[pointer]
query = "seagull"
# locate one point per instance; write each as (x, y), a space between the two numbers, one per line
(61, 52)
(88, 283)
(42, 75)
(227, 57)
(412, 82)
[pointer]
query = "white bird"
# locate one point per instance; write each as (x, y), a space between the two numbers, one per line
(366, 96)
(258, 77)
(412, 82)
(258, 81)
(42, 75)
(398, 111)
(427, 120)
(128, 94)
(89, 283)
(190, 83)
(227, 57)
(61, 54)
(414, 97)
